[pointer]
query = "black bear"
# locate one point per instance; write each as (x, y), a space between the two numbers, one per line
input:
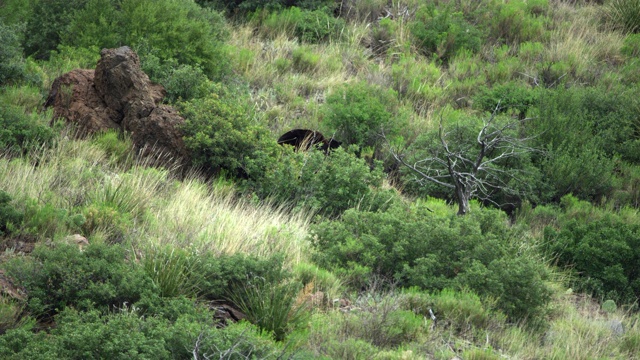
(304, 139)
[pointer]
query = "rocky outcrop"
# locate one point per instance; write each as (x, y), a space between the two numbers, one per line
(75, 99)
(119, 95)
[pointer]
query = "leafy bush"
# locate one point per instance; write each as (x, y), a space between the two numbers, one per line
(360, 113)
(21, 132)
(216, 276)
(118, 148)
(222, 136)
(183, 82)
(304, 60)
(583, 131)
(12, 66)
(631, 46)
(603, 253)
(46, 220)
(460, 311)
(309, 26)
(179, 30)
(417, 81)
(125, 334)
(416, 248)
(511, 97)
(99, 277)
(247, 6)
(441, 33)
(10, 218)
(46, 23)
(328, 184)
(518, 21)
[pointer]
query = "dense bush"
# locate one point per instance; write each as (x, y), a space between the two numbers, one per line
(518, 21)
(12, 66)
(21, 132)
(173, 30)
(217, 276)
(183, 82)
(360, 113)
(64, 276)
(10, 217)
(583, 131)
(441, 33)
(327, 184)
(602, 250)
(223, 136)
(309, 26)
(413, 247)
(125, 334)
(46, 23)
(246, 6)
(511, 98)
(631, 46)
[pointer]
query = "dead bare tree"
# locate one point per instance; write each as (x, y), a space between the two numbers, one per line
(473, 168)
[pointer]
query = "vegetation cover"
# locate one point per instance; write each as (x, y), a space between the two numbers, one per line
(483, 204)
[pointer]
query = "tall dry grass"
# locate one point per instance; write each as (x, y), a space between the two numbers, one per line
(191, 214)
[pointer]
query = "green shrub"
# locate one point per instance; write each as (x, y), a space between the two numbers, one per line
(179, 30)
(624, 15)
(584, 130)
(413, 247)
(603, 253)
(308, 26)
(511, 98)
(46, 220)
(418, 81)
(441, 33)
(99, 277)
(21, 132)
(12, 66)
(461, 311)
(222, 136)
(118, 148)
(384, 325)
(327, 184)
(10, 217)
(304, 59)
(183, 82)
(45, 24)
(125, 334)
(631, 46)
(518, 21)
(360, 113)
(247, 6)
(216, 276)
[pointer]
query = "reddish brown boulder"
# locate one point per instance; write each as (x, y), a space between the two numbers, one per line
(75, 99)
(122, 84)
(119, 95)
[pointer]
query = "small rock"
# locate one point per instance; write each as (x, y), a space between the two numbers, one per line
(77, 239)
(616, 327)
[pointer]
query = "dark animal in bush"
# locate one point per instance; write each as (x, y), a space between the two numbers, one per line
(304, 139)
